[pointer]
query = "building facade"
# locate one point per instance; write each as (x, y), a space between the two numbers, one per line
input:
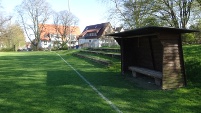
(93, 36)
(57, 36)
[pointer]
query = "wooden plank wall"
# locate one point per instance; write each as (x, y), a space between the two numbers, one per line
(137, 52)
(144, 58)
(150, 53)
(172, 68)
(129, 53)
(157, 53)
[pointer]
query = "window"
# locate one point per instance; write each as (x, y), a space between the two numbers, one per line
(45, 42)
(92, 34)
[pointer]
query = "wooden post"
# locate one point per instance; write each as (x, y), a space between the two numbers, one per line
(122, 57)
(152, 53)
(182, 59)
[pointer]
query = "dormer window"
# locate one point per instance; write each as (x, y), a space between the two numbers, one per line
(92, 34)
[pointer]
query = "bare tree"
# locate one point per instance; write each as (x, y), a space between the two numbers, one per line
(33, 13)
(4, 20)
(65, 23)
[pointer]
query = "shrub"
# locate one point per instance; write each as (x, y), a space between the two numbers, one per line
(6, 49)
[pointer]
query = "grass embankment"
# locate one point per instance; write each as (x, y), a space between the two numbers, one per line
(42, 82)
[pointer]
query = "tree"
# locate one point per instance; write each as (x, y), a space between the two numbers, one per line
(174, 13)
(133, 13)
(65, 23)
(13, 37)
(197, 35)
(16, 36)
(33, 13)
(4, 21)
(199, 2)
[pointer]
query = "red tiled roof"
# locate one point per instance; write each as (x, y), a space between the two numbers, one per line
(51, 29)
(45, 38)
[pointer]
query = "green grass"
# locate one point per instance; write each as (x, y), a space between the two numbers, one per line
(42, 82)
(193, 65)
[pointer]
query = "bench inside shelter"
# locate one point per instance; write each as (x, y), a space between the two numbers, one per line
(155, 52)
(155, 74)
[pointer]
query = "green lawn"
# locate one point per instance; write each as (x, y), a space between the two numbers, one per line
(43, 82)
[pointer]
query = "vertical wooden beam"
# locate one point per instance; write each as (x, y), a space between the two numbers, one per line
(152, 53)
(182, 59)
(122, 57)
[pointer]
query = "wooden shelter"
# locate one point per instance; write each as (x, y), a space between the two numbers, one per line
(154, 51)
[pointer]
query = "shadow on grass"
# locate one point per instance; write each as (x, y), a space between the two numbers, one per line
(28, 85)
(129, 98)
(55, 78)
(37, 97)
(193, 68)
(58, 78)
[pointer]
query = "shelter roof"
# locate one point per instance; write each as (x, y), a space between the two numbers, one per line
(151, 30)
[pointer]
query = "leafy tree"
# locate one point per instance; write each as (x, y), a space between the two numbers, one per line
(199, 2)
(189, 38)
(197, 35)
(138, 11)
(13, 37)
(17, 36)
(33, 13)
(174, 13)
(132, 12)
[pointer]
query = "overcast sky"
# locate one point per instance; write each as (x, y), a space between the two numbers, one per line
(89, 12)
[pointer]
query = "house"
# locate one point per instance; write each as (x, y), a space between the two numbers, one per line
(118, 29)
(94, 36)
(53, 36)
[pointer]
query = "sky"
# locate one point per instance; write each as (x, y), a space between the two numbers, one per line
(89, 12)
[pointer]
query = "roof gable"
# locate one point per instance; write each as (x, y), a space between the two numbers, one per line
(97, 28)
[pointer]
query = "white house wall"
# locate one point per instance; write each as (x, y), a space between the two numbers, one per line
(45, 44)
(90, 42)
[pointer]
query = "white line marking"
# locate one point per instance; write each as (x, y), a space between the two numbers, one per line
(96, 90)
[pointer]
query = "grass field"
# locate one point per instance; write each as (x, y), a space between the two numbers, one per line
(42, 82)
